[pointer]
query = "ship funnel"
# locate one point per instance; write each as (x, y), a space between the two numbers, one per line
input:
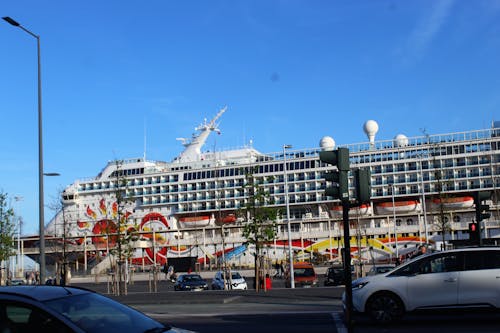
(371, 128)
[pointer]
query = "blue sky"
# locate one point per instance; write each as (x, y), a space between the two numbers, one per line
(117, 72)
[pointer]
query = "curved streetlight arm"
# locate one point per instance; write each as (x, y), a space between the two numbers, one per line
(41, 213)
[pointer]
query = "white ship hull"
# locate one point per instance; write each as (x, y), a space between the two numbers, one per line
(174, 206)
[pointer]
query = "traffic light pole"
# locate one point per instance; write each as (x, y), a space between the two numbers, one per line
(482, 212)
(347, 266)
(340, 190)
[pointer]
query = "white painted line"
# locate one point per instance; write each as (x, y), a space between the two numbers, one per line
(339, 323)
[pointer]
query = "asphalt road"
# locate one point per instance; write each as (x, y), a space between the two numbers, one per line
(315, 309)
(291, 310)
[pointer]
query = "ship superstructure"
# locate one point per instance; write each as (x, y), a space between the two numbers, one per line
(422, 191)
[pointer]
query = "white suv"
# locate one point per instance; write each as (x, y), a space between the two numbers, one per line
(233, 281)
(468, 277)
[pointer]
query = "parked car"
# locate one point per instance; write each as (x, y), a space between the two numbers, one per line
(334, 276)
(379, 269)
(192, 282)
(304, 275)
(16, 282)
(233, 281)
(461, 278)
(68, 310)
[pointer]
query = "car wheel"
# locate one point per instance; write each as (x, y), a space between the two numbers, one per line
(385, 307)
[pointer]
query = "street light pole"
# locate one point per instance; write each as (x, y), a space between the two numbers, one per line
(423, 199)
(40, 154)
(394, 221)
(18, 254)
(287, 203)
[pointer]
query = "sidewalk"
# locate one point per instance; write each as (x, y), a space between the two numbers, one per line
(144, 276)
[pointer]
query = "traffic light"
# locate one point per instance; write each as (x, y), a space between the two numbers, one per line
(362, 177)
(340, 158)
(473, 232)
(482, 210)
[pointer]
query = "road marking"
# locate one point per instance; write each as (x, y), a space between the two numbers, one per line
(228, 313)
(339, 323)
(230, 299)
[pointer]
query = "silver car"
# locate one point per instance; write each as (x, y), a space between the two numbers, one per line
(233, 281)
(379, 269)
(461, 278)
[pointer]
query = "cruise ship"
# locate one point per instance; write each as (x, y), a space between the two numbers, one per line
(421, 192)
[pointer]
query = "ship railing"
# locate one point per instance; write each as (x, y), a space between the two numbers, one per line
(424, 140)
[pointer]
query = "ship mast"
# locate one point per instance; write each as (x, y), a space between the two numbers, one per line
(192, 151)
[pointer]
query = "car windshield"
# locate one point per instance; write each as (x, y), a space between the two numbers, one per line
(384, 269)
(236, 276)
(192, 278)
(335, 270)
(95, 313)
(303, 272)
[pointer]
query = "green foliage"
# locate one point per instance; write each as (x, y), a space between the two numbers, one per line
(261, 227)
(7, 229)
(443, 223)
(124, 239)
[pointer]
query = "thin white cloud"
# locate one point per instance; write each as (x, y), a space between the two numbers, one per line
(427, 29)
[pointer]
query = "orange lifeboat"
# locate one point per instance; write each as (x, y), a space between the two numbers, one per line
(405, 206)
(364, 209)
(194, 221)
(453, 203)
(228, 219)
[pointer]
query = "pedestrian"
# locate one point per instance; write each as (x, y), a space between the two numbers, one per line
(68, 276)
(277, 269)
(268, 282)
(422, 249)
(62, 281)
(171, 273)
(165, 270)
(282, 269)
